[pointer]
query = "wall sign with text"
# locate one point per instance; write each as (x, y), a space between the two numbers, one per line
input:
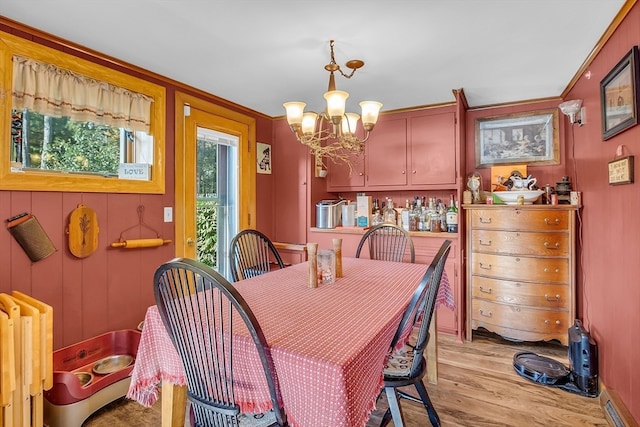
(621, 171)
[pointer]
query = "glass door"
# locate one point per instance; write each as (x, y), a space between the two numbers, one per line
(216, 196)
(215, 170)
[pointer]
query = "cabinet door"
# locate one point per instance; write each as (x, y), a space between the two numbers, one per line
(433, 149)
(341, 178)
(290, 160)
(386, 154)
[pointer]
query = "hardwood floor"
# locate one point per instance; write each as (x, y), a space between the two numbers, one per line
(477, 387)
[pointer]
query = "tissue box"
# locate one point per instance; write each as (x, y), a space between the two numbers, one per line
(363, 211)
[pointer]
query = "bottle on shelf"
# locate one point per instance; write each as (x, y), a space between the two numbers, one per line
(405, 216)
(443, 216)
(452, 216)
(414, 216)
(390, 215)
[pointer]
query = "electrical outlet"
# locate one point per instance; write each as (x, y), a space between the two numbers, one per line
(168, 214)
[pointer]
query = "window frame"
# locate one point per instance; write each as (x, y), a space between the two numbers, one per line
(57, 181)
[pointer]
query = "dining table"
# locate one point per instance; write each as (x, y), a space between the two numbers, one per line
(329, 343)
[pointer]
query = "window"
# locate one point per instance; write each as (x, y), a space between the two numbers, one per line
(73, 125)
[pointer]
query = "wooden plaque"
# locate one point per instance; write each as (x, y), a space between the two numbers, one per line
(83, 231)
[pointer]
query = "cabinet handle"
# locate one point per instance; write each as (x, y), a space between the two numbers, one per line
(483, 221)
(485, 266)
(413, 172)
(549, 222)
(550, 299)
(485, 243)
(360, 174)
(403, 172)
(547, 322)
(485, 315)
(485, 290)
(548, 246)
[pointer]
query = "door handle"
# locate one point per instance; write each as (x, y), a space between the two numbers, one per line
(190, 241)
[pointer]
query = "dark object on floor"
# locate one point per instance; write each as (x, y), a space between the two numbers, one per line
(581, 377)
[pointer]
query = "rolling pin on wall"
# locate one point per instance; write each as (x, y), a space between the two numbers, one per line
(152, 242)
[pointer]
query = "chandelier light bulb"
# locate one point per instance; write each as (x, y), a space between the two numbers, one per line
(336, 103)
(295, 111)
(370, 112)
(309, 123)
(349, 123)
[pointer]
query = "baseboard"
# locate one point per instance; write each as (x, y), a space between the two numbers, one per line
(614, 410)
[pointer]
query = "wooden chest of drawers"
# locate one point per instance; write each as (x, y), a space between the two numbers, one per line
(521, 270)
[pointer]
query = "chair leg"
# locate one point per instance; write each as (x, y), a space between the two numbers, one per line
(394, 406)
(386, 418)
(433, 415)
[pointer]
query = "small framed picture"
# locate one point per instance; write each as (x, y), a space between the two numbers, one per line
(263, 158)
(621, 171)
(619, 96)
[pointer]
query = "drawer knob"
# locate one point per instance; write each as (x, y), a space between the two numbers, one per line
(485, 242)
(486, 291)
(485, 266)
(550, 299)
(550, 222)
(485, 221)
(548, 322)
(548, 246)
(482, 313)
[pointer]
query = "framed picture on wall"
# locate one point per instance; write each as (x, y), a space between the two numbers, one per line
(519, 138)
(263, 158)
(619, 96)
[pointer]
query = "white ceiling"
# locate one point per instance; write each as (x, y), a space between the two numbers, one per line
(260, 53)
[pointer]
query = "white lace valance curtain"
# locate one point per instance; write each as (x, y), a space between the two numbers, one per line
(57, 92)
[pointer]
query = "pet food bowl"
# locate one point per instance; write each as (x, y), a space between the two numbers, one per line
(112, 364)
(85, 378)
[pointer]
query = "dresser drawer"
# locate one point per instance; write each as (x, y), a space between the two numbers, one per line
(521, 318)
(520, 219)
(521, 242)
(521, 293)
(547, 270)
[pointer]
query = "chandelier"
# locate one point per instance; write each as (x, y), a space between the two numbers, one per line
(332, 133)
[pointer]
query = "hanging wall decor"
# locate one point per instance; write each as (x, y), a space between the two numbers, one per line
(263, 155)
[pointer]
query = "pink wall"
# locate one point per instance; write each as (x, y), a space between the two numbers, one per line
(610, 267)
(112, 288)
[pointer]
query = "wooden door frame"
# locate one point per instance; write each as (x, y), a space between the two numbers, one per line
(246, 173)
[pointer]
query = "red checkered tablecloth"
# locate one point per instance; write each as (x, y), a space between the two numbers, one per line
(328, 344)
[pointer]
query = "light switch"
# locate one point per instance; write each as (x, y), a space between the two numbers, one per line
(168, 214)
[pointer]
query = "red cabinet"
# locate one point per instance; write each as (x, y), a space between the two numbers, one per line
(433, 149)
(386, 154)
(341, 178)
(290, 165)
(415, 150)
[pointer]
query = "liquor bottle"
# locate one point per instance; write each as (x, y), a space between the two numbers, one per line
(414, 216)
(390, 215)
(404, 216)
(452, 217)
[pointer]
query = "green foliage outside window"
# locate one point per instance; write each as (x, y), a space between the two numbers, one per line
(62, 144)
(207, 226)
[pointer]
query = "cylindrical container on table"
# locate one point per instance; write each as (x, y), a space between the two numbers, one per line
(337, 249)
(312, 254)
